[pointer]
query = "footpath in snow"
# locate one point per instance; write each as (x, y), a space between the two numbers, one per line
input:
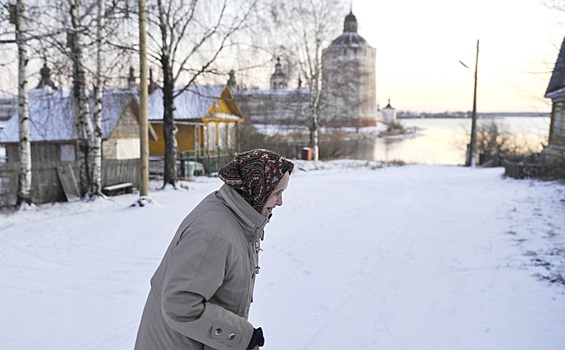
(358, 257)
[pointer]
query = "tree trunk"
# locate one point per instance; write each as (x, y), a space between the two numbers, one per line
(169, 127)
(83, 124)
(98, 93)
(314, 138)
(24, 175)
(315, 101)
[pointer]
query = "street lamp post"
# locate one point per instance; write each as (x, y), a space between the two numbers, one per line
(471, 160)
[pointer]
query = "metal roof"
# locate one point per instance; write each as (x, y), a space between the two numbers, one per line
(557, 81)
(350, 37)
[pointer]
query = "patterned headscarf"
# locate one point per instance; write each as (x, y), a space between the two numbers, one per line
(255, 174)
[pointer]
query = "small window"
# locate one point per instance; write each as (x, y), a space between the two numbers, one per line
(3, 157)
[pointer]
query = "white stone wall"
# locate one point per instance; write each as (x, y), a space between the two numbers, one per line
(349, 87)
(389, 115)
(274, 107)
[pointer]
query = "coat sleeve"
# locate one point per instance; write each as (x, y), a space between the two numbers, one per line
(195, 271)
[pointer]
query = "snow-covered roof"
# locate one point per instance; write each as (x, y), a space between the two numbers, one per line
(52, 111)
(349, 39)
(557, 95)
(273, 92)
(51, 115)
(113, 104)
(192, 103)
(224, 116)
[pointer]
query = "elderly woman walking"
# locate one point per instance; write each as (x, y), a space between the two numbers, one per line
(202, 290)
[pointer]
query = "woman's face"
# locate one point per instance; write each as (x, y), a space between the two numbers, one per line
(275, 198)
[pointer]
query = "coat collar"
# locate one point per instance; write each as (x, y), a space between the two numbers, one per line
(251, 217)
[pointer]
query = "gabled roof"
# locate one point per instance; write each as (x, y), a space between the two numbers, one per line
(229, 99)
(113, 104)
(193, 103)
(52, 115)
(557, 81)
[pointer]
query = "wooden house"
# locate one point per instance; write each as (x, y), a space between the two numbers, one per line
(206, 118)
(52, 127)
(556, 92)
(54, 146)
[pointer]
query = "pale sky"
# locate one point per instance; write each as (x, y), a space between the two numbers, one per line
(419, 44)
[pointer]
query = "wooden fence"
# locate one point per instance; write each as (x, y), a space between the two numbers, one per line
(186, 166)
(524, 170)
(210, 161)
(46, 180)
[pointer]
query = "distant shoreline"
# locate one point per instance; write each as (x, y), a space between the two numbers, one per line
(466, 115)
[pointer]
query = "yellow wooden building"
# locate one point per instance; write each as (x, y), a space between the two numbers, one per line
(206, 118)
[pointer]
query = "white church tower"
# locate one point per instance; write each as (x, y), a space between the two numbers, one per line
(278, 78)
(389, 113)
(348, 79)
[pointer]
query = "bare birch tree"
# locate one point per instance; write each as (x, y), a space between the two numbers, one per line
(83, 121)
(24, 176)
(98, 94)
(558, 5)
(50, 22)
(308, 27)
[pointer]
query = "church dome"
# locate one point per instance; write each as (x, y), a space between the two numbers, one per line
(350, 37)
(350, 23)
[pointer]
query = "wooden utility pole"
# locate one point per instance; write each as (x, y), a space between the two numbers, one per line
(473, 146)
(143, 129)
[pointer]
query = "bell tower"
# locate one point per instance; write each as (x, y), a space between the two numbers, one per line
(278, 78)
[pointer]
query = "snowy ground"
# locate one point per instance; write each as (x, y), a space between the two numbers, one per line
(358, 257)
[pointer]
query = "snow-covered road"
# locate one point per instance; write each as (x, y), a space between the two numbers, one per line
(414, 257)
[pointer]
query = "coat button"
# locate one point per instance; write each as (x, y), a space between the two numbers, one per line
(218, 331)
(231, 336)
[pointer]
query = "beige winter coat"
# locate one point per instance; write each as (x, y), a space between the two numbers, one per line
(201, 292)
